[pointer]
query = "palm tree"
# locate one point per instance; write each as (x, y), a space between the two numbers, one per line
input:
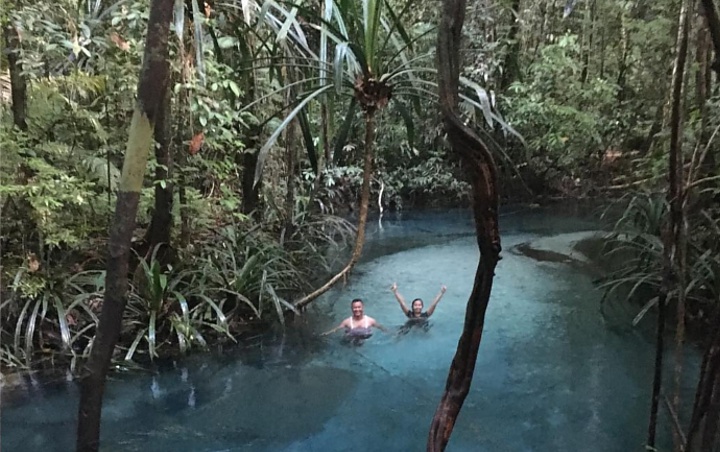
(365, 55)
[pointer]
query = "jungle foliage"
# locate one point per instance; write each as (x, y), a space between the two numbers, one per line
(276, 113)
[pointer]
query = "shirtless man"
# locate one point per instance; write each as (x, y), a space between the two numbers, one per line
(358, 326)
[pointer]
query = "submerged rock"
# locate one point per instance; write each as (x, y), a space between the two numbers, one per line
(578, 248)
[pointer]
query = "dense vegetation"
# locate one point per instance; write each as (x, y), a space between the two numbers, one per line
(284, 118)
(587, 88)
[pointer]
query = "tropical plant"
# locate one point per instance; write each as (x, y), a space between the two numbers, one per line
(169, 303)
(372, 62)
(636, 242)
(49, 313)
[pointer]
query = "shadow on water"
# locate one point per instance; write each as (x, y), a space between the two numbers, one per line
(552, 375)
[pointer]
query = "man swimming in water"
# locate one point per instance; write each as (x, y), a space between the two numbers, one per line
(415, 315)
(358, 326)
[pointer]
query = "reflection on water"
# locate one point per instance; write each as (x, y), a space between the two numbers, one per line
(551, 375)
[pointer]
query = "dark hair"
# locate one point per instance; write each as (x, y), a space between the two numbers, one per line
(357, 300)
(417, 299)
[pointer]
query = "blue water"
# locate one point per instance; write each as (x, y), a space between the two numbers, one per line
(553, 374)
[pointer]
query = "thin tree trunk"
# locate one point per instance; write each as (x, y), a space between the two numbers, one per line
(712, 418)
(701, 71)
(483, 177)
(184, 212)
(707, 390)
(711, 15)
(658, 371)
(543, 29)
(589, 48)
(248, 158)
(151, 90)
(622, 62)
(325, 138)
(511, 72)
(251, 190)
(161, 222)
(362, 218)
(674, 236)
(703, 78)
(602, 54)
(290, 193)
(676, 199)
(18, 84)
(290, 134)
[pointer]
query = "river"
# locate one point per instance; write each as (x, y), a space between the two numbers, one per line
(553, 373)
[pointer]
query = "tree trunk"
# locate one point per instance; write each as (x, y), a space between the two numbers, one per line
(673, 234)
(362, 218)
(589, 32)
(713, 22)
(325, 138)
(290, 135)
(511, 72)
(481, 167)
(601, 71)
(18, 84)
(161, 222)
(702, 69)
(703, 78)
(248, 158)
(702, 424)
(622, 62)
(151, 90)
(676, 199)
(658, 372)
(251, 190)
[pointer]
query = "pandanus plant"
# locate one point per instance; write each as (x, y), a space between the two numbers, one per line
(365, 55)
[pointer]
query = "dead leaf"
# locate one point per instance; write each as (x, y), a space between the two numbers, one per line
(120, 42)
(196, 143)
(33, 263)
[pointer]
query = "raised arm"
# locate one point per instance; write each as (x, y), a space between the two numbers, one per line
(435, 302)
(399, 298)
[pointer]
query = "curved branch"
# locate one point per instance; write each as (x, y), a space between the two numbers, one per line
(362, 219)
(482, 172)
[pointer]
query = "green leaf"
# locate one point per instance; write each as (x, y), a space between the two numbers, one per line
(227, 42)
(371, 27)
(482, 97)
(133, 347)
(62, 320)
(263, 153)
(308, 139)
(151, 337)
(198, 19)
(289, 22)
(234, 88)
(179, 18)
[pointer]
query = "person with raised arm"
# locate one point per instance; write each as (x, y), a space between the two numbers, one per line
(415, 314)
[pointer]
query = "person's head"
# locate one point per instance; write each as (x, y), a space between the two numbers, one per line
(417, 306)
(357, 308)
